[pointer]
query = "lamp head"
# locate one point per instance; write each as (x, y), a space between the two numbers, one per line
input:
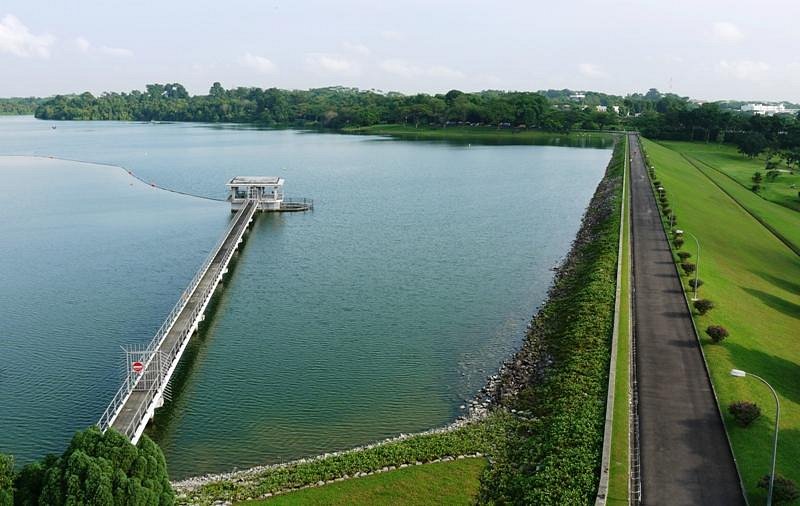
(738, 373)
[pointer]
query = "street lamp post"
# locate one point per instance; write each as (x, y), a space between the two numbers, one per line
(741, 374)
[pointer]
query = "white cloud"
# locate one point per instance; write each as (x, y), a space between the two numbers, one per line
(744, 70)
(406, 69)
(84, 46)
(332, 63)
(260, 64)
(392, 35)
(357, 48)
(115, 51)
(723, 31)
(591, 70)
(15, 38)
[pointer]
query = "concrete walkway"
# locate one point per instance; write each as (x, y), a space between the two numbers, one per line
(685, 457)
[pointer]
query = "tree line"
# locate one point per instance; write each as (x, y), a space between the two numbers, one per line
(655, 115)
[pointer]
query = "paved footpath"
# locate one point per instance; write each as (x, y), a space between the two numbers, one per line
(685, 457)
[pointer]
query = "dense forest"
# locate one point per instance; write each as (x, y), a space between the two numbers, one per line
(656, 115)
(18, 106)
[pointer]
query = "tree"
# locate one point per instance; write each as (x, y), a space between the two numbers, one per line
(684, 255)
(751, 144)
(688, 267)
(744, 412)
(98, 469)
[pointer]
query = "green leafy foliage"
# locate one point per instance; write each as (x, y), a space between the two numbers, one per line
(785, 490)
(744, 412)
(98, 469)
(717, 333)
(6, 480)
(703, 306)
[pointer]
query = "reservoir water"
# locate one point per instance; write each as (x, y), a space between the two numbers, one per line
(373, 315)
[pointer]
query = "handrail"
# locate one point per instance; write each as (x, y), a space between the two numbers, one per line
(155, 343)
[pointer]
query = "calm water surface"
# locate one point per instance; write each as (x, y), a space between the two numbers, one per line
(376, 314)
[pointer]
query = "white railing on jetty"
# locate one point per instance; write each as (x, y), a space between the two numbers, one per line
(152, 351)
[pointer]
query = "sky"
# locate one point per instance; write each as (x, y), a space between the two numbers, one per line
(705, 49)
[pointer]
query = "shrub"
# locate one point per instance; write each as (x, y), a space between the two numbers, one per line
(756, 188)
(784, 491)
(657, 183)
(757, 177)
(693, 281)
(665, 211)
(744, 412)
(99, 468)
(6, 480)
(678, 242)
(684, 255)
(703, 306)
(717, 333)
(688, 267)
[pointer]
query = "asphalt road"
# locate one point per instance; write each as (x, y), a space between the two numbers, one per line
(685, 457)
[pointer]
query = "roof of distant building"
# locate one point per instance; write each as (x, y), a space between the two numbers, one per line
(255, 181)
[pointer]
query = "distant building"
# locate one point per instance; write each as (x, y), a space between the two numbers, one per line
(605, 108)
(577, 96)
(767, 109)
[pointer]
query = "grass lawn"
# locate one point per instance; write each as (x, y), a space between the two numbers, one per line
(488, 135)
(754, 280)
(454, 482)
(728, 160)
(620, 457)
(783, 221)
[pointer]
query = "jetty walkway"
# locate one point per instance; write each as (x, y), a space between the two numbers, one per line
(150, 366)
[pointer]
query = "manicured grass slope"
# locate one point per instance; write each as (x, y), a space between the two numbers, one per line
(454, 482)
(783, 221)
(727, 159)
(754, 280)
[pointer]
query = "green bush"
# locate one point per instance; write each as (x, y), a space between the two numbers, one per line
(684, 255)
(703, 306)
(717, 333)
(698, 282)
(678, 242)
(6, 480)
(744, 412)
(688, 267)
(98, 469)
(784, 490)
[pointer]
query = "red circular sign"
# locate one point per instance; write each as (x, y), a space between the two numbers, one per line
(137, 367)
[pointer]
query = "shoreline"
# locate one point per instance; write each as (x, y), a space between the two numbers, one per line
(527, 365)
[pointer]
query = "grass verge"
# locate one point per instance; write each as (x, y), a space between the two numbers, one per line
(619, 480)
(454, 482)
(752, 278)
